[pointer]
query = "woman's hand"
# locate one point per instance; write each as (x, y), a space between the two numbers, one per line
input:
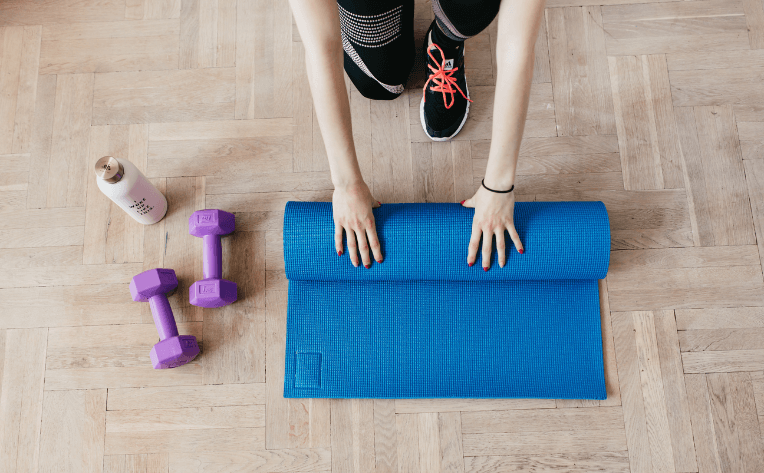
(352, 214)
(494, 214)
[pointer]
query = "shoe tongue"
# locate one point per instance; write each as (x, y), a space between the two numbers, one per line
(448, 65)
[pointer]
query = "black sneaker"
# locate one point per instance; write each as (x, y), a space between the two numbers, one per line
(445, 98)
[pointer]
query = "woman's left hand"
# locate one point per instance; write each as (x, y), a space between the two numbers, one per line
(494, 214)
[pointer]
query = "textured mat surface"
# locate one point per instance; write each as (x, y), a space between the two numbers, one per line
(425, 325)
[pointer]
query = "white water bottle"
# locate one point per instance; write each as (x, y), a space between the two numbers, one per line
(127, 187)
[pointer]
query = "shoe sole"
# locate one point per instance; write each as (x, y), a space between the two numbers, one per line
(464, 120)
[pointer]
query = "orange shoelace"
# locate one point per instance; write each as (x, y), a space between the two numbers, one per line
(442, 78)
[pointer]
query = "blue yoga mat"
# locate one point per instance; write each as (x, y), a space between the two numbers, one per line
(423, 324)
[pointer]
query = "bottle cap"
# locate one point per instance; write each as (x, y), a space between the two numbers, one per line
(109, 169)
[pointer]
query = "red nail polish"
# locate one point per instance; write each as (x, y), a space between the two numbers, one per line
(462, 202)
(470, 264)
(367, 266)
(339, 253)
(379, 261)
(485, 269)
(380, 203)
(521, 251)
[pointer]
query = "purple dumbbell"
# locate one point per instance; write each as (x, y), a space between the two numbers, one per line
(213, 290)
(173, 350)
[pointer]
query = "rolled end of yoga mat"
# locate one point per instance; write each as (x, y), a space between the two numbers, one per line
(421, 242)
(423, 324)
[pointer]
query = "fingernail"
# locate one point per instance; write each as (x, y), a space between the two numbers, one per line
(485, 269)
(380, 203)
(470, 264)
(521, 251)
(339, 253)
(462, 202)
(379, 261)
(367, 266)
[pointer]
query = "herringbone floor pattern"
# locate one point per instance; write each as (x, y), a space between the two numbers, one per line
(657, 109)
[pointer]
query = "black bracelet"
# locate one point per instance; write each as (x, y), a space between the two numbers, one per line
(498, 192)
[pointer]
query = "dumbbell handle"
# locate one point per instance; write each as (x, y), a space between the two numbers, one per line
(163, 318)
(213, 257)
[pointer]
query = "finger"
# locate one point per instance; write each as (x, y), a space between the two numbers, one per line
(378, 204)
(338, 239)
(376, 248)
(352, 246)
(516, 239)
(363, 248)
(500, 248)
(474, 245)
(487, 244)
(468, 203)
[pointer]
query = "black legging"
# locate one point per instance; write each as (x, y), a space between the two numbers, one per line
(378, 38)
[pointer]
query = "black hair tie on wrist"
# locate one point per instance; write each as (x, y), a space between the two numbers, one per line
(498, 192)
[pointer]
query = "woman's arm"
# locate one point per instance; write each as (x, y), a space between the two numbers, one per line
(319, 25)
(518, 27)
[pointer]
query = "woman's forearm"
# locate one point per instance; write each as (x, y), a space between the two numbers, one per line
(518, 26)
(318, 22)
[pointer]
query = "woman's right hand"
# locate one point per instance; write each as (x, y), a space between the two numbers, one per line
(352, 214)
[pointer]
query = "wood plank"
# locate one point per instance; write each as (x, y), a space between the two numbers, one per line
(145, 463)
(19, 12)
(164, 96)
(392, 169)
(683, 278)
(263, 80)
(41, 237)
(182, 251)
(582, 96)
(127, 377)
(235, 348)
(59, 306)
(429, 443)
(79, 416)
(147, 45)
(195, 441)
(79, 275)
(713, 25)
(722, 339)
(21, 399)
(20, 51)
(754, 176)
(702, 423)
(672, 376)
(385, 436)
(631, 392)
(223, 148)
(418, 406)
(40, 257)
(450, 433)
(723, 415)
(352, 423)
(69, 141)
(647, 132)
(723, 87)
(290, 423)
(186, 396)
(519, 443)
(542, 420)
(754, 17)
(185, 419)
(40, 142)
(723, 361)
(615, 462)
(303, 460)
(746, 421)
(408, 443)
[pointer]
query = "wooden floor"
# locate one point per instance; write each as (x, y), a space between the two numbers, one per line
(657, 109)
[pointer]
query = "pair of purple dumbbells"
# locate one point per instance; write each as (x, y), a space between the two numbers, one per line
(155, 285)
